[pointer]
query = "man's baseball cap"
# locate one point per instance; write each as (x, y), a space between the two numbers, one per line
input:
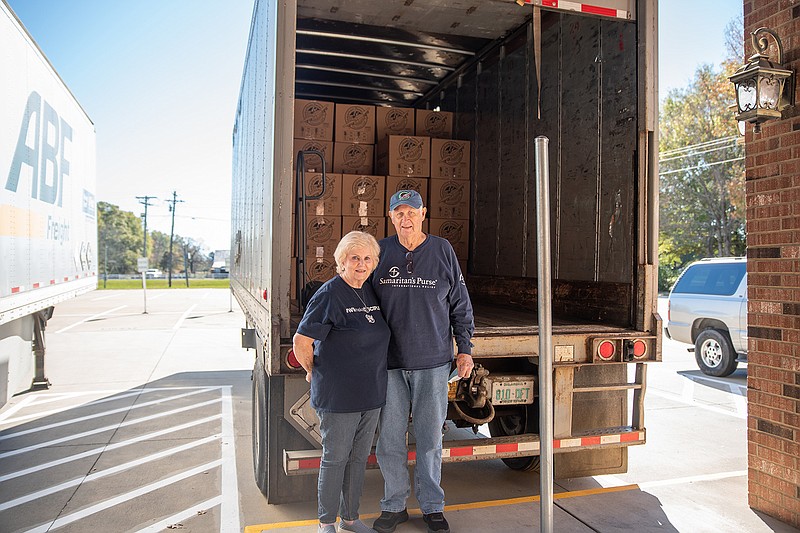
(404, 197)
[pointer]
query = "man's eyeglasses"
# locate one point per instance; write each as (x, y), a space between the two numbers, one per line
(410, 262)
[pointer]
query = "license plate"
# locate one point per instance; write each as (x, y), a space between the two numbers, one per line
(512, 392)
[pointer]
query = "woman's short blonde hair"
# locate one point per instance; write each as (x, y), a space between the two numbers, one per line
(356, 239)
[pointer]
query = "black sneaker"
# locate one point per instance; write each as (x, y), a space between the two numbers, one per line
(436, 523)
(387, 521)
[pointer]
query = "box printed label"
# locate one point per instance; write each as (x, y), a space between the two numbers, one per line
(355, 156)
(396, 121)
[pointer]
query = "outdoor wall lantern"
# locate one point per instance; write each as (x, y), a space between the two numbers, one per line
(763, 88)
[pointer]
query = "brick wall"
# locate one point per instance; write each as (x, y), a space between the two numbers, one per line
(773, 265)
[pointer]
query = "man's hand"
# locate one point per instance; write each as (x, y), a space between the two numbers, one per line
(464, 365)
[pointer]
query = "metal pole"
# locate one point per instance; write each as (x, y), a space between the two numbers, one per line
(545, 335)
(171, 235)
(144, 291)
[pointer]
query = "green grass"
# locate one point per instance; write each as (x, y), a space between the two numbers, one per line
(177, 283)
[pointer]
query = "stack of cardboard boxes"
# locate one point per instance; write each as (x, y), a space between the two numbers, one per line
(414, 150)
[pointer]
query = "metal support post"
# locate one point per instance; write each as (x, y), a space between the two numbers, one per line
(40, 319)
(144, 291)
(545, 335)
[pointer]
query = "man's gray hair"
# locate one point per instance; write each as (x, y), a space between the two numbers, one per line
(356, 239)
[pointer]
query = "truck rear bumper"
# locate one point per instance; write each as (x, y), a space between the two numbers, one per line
(308, 461)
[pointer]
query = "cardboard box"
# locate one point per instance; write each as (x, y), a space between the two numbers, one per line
(404, 155)
(322, 235)
(363, 195)
(450, 159)
(351, 158)
(455, 231)
(393, 121)
(375, 226)
(437, 124)
(409, 183)
(316, 269)
(448, 199)
(313, 119)
(314, 163)
(331, 201)
(391, 230)
(355, 123)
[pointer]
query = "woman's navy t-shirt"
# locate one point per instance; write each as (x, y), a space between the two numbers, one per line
(350, 348)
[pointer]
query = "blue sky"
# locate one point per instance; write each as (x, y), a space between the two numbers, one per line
(160, 80)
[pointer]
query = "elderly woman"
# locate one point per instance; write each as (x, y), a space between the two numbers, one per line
(342, 343)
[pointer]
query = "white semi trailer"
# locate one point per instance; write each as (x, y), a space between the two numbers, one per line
(48, 217)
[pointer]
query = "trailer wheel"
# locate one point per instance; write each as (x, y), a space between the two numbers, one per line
(714, 353)
(524, 420)
(259, 418)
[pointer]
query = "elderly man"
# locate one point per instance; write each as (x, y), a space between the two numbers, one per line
(425, 301)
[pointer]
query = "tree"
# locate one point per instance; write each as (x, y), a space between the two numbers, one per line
(701, 163)
(120, 238)
(194, 255)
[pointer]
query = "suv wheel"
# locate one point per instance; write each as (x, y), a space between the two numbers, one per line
(714, 354)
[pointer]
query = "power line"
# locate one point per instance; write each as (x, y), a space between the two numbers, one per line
(673, 158)
(700, 145)
(703, 165)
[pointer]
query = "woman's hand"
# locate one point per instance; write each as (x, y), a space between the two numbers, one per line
(304, 352)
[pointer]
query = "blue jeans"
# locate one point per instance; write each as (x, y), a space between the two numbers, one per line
(423, 393)
(346, 443)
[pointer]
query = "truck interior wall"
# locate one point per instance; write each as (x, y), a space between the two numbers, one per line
(588, 103)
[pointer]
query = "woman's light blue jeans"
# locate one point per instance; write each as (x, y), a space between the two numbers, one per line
(346, 443)
(423, 393)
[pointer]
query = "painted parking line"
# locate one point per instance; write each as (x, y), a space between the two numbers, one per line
(95, 475)
(183, 317)
(109, 447)
(521, 500)
(101, 414)
(92, 317)
(122, 498)
(227, 500)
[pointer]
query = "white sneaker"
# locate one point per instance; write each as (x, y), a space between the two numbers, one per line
(357, 526)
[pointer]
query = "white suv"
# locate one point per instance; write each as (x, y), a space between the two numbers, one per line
(708, 308)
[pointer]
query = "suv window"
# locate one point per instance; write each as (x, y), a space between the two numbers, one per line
(711, 278)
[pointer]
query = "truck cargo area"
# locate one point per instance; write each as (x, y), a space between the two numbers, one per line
(508, 79)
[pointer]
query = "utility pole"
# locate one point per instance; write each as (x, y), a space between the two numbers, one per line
(145, 200)
(172, 234)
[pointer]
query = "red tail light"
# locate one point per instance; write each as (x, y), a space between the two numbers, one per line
(606, 350)
(639, 348)
(292, 361)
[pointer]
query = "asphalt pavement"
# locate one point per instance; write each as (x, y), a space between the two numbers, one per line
(147, 428)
